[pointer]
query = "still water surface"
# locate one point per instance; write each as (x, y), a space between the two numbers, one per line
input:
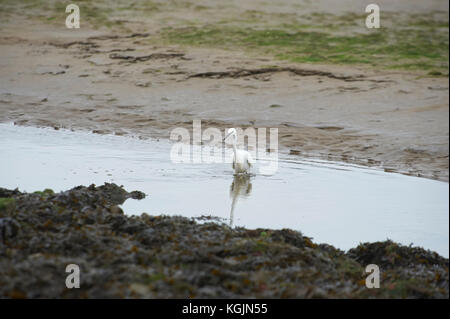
(334, 203)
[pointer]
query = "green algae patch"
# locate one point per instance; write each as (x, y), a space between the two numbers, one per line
(424, 49)
(45, 192)
(7, 203)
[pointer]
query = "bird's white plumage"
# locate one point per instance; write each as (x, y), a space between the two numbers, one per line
(241, 159)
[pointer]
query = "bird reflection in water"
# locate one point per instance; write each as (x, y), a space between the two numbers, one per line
(240, 187)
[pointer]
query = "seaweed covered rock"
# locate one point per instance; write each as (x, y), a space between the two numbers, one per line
(389, 254)
(410, 271)
(176, 257)
(9, 228)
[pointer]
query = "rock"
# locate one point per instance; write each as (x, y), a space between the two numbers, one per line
(143, 84)
(137, 195)
(9, 228)
(116, 210)
(148, 256)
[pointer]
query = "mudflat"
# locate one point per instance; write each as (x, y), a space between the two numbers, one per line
(333, 88)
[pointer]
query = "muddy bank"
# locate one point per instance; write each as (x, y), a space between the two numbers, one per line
(160, 256)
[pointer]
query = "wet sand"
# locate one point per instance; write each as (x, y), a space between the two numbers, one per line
(113, 81)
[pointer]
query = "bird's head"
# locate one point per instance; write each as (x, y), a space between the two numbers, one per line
(231, 133)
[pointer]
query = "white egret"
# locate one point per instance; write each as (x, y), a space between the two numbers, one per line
(241, 158)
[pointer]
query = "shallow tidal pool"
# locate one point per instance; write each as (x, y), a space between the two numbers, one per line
(335, 203)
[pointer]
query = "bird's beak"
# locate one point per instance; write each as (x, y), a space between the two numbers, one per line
(226, 137)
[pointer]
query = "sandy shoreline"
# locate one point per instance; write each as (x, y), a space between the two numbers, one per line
(122, 83)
